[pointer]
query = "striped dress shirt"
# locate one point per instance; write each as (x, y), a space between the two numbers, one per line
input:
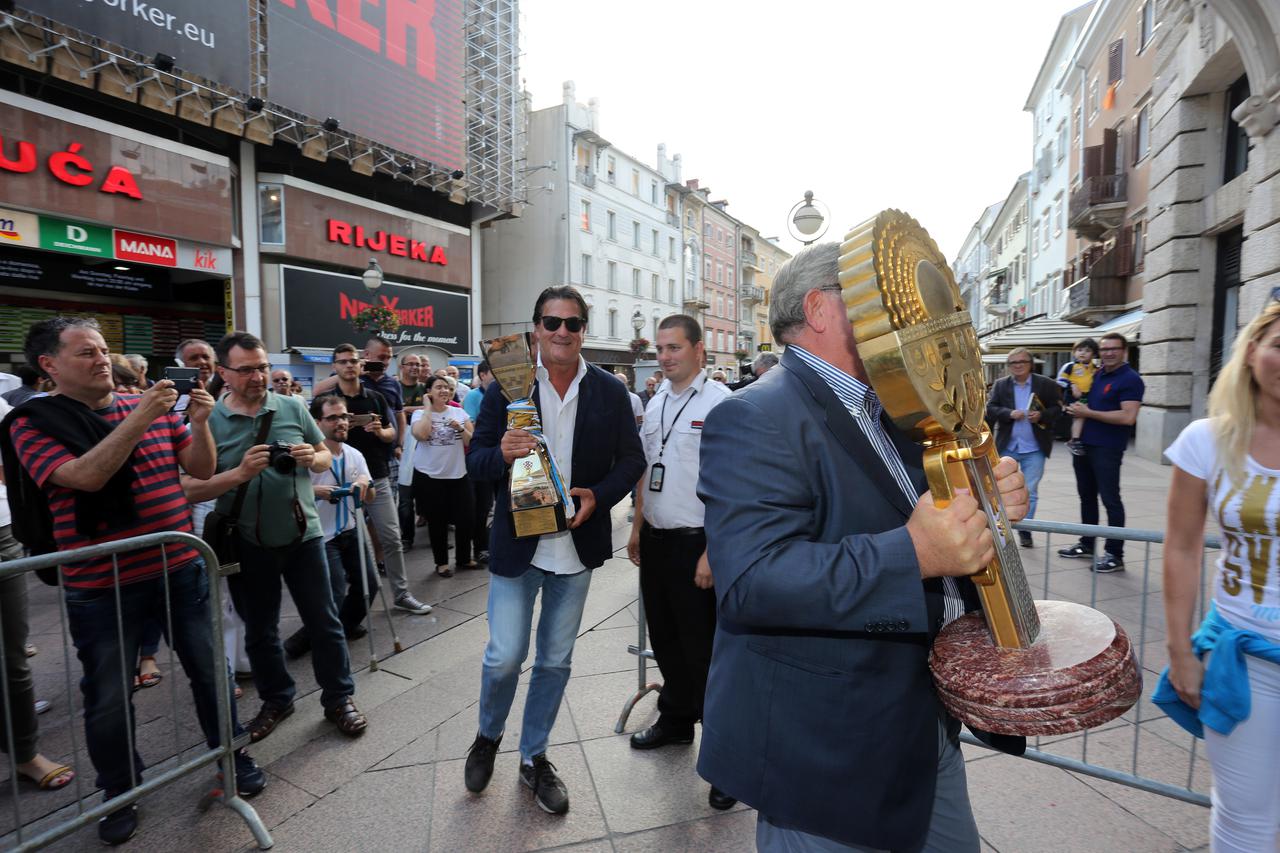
(864, 407)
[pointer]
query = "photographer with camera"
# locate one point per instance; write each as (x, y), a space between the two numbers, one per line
(267, 447)
(334, 488)
(371, 432)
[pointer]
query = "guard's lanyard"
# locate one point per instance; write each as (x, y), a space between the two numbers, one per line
(662, 419)
(340, 514)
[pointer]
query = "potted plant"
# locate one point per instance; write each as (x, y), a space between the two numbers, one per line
(639, 346)
(376, 319)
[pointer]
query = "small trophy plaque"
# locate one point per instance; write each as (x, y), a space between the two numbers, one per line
(1024, 667)
(539, 497)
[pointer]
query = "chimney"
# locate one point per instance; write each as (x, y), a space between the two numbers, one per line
(675, 169)
(570, 95)
(593, 114)
(693, 183)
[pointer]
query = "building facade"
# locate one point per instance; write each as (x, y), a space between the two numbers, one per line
(772, 257)
(1008, 247)
(719, 286)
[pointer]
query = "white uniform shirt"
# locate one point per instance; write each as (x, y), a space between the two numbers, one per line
(556, 552)
(340, 517)
(6, 517)
(679, 417)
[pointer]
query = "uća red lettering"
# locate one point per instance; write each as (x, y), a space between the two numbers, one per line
(62, 162)
(26, 161)
(120, 180)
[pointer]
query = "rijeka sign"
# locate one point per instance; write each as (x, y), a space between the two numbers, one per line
(341, 231)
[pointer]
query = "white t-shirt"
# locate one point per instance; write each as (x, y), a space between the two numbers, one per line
(1246, 586)
(6, 518)
(347, 468)
(637, 405)
(442, 456)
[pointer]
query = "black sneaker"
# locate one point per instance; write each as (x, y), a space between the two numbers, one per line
(1024, 539)
(1076, 552)
(480, 758)
(1109, 563)
(548, 791)
(250, 778)
(119, 826)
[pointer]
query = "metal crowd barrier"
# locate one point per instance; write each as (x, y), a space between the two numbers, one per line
(36, 834)
(1131, 776)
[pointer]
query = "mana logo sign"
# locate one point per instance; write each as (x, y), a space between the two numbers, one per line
(146, 249)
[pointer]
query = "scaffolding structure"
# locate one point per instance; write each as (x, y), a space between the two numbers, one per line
(496, 123)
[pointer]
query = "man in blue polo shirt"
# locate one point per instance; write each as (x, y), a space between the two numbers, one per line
(1112, 410)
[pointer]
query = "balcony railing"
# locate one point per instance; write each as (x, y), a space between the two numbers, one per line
(1098, 205)
(694, 301)
(998, 299)
(750, 294)
(1101, 287)
(749, 258)
(672, 219)
(586, 177)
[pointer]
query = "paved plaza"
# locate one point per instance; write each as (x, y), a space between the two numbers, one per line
(400, 786)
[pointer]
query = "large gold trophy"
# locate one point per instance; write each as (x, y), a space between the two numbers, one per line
(1024, 667)
(539, 496)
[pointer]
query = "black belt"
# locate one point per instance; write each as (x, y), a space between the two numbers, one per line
(671, 532)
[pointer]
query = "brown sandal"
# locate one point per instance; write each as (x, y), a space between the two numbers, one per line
(348, 720)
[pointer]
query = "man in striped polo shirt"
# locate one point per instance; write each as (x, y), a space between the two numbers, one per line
(107, 464)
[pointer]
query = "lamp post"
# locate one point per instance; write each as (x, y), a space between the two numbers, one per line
(372, 277)
(808, 219)
(637, 323)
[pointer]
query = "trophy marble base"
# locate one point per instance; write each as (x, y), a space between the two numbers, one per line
(1080, 673)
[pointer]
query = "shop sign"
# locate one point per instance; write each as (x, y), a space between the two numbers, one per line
(318, 308)
(71, 167)
(341, 231)
(78, 238)
(145, 249)
(197, 256)
(19, 229)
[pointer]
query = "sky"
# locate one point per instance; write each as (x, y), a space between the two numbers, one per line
(910, 104)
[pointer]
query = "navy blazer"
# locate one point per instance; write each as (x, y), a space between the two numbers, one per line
(1000, 404)
(820, 710)
(607, 459)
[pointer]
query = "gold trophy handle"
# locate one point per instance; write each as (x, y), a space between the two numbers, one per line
(945, 470)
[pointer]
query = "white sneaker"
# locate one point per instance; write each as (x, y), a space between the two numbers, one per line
(412, 605)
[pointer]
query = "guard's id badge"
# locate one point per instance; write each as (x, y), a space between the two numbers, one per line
(656, 473)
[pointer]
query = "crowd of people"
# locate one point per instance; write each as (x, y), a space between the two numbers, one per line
(793, 566)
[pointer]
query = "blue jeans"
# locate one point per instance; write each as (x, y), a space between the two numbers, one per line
(1032, 465)
(107, 681)
(255, 589)
(510, 618)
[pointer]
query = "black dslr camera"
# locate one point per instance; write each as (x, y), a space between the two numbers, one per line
(279, 458)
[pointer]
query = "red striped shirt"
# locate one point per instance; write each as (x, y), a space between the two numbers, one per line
(157, 495)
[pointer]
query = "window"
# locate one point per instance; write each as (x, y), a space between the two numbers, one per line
(1093, 100)
(613, 275)
(635, 282)
(671, 248)
(1235, 143)
(635, 235)
(671, 291)
(1079, 123)
(1139, 245)
(271, 213)
(1115, 62)
(706, 231)
(635, 182)
(1062, 140)
(586, 216)
(1044, 228)
(653, 192)
(655, 329)
(612, 174)
(613, 322)
(719, 304)
(720, 274)
(655, 243)
(1146, 23)
(1035, 239)
(707, 272)
(584, 157)
(586, 269)
(1142, 134)
(1057, 215)
(729, 274)
(654, 285)
(613, 225)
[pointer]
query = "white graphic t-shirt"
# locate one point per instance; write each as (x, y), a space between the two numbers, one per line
(441, 456)
(1246, 588)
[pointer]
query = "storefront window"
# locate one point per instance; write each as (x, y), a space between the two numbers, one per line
(271, 213)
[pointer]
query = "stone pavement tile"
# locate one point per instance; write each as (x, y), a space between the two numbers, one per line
(601, 651)
(474, 602)
(504, 816)
(1186, 823)
(458, 732)
(728, 832)
(1158, 758)
(466, 642)
(604, 845)
(1031, 808)
(330, 761)
(420, 750)
(382, 810)
(596, 702)
(647, 789)
(624, 618)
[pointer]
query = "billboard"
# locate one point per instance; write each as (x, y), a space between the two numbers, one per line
(390, 71)
(208, 39)
(318, 307)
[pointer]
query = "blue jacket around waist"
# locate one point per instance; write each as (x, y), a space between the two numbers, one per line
(1224, 694)
(607, 459)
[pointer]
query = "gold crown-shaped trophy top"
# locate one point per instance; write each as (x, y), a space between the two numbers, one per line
(918, 346)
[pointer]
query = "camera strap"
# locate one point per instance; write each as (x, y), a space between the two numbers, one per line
(238, 504)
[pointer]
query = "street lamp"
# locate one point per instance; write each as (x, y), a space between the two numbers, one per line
(808, 219)
(372, 277)
(637, 323)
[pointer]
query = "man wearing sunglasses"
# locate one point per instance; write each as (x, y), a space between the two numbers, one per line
(590, 431)
(282, 383)
(279, 534)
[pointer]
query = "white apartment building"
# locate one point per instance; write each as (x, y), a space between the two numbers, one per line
(1008, 245)
(972, 262)
(599, 219)
(1049, 185)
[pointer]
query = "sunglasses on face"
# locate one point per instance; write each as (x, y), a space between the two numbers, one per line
(573, 324)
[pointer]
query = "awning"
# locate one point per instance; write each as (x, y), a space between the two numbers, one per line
(1128, 324)
(1043, 334)
(999, 358)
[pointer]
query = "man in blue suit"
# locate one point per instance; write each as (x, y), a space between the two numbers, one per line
(833, 571)
(591, 432)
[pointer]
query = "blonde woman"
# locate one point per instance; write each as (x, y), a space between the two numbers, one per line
(1224, 682)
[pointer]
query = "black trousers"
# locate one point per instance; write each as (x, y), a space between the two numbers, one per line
(483, 490)
(1098, 476)
(682, 622)
(445, 502)
(408, 519)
